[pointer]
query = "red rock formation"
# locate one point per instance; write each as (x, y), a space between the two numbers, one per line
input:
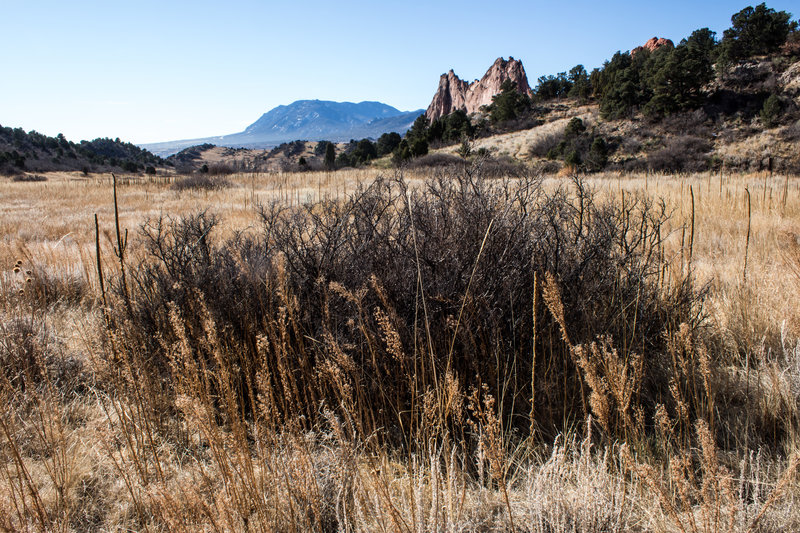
(454, 93)
(654, 43)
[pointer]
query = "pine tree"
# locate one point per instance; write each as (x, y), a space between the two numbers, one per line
(330, 157)
(755, 31)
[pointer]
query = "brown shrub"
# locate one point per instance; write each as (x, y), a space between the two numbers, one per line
(200, 182)
(437, 160)
(681, 154)
(447, 271)
(544, 144)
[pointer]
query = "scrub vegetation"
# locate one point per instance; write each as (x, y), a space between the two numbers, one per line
(448, 348)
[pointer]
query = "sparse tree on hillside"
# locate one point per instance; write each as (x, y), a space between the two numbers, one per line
(321, 148)
(465, 150)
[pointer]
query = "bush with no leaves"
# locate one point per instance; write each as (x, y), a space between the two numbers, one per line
(29, 177)
(369, 304)
(542, 146)
(681, 154)
(433, 161)
(32, 358)
(200, 182)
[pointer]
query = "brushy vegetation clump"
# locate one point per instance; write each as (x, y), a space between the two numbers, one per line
(29, 178)
(413, 289)
(203, 181)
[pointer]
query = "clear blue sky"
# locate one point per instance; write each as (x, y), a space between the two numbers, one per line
(156, 71)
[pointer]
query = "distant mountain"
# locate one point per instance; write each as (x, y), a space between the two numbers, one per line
(305, 118)
(311, 120)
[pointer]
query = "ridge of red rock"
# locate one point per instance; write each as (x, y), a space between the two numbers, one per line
(455, 94)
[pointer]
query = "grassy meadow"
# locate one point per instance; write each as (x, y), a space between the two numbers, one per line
(374, 350)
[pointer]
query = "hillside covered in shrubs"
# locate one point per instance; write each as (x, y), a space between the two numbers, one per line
(35, 152)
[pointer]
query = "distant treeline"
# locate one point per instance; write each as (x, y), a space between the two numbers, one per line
(22, 151)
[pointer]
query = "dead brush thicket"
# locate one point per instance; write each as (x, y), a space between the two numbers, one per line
(408, 358)
(405, 293)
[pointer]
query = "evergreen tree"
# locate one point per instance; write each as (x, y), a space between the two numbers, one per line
(509, 103)
(387, 143)
(457, 126)
(755, 31)
(550, 87)
(401, 153)
(418, 130)
(343, 160)
(419, 147)
(330, 156)
(771, 110)
(574, 128)
(619, 84)
(465, 150)
(703, 40)
(676, 78)
(581, 86)
(598, 155)
(573, 159)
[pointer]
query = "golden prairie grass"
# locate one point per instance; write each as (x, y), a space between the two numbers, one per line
(112, 459)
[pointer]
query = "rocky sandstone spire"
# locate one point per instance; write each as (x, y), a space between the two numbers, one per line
(454, 93)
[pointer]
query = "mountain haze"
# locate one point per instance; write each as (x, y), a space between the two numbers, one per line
(312, 120)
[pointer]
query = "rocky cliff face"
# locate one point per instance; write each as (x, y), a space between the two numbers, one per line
(654, 43)
(454, 93)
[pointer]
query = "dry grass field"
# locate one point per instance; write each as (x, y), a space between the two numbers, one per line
(439, 352)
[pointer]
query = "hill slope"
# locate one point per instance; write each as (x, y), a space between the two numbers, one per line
(35, 152)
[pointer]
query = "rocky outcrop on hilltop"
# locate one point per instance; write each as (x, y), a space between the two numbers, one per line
(456, 94)
(654, 43)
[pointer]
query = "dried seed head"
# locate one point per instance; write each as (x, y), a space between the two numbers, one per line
(28, 280)
(16, 270)
(19, 262)
(22, 291)
(29, 272)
